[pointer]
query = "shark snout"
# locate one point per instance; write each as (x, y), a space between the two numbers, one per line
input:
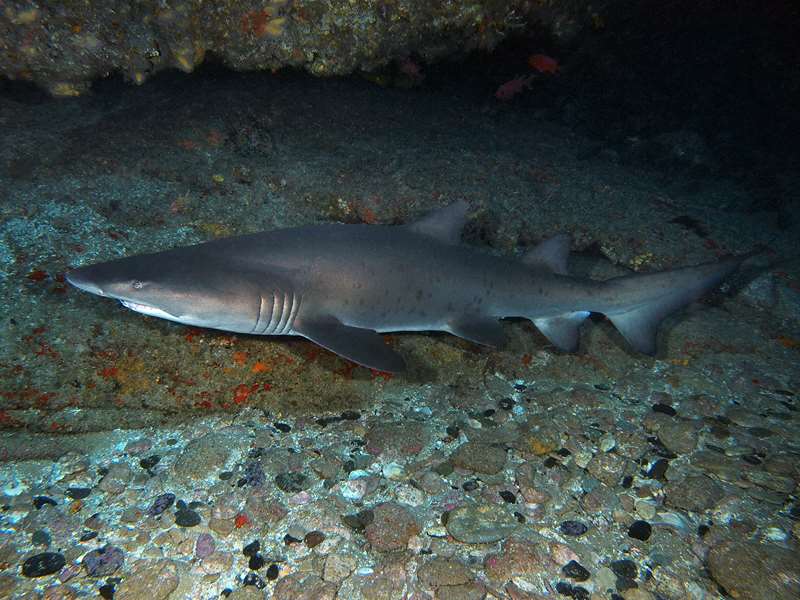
(81, 279)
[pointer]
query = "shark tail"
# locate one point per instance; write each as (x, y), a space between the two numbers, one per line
(643, 300)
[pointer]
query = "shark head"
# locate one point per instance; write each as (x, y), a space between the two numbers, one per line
(193, 290)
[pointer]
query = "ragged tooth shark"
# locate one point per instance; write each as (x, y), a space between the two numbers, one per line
(341, 286)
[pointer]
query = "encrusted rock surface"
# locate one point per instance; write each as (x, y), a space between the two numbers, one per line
(64, 45)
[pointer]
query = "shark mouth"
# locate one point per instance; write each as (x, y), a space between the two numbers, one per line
(146, 309)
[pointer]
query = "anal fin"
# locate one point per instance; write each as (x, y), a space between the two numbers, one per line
(363, 346)
(562, 330)
(481, 330)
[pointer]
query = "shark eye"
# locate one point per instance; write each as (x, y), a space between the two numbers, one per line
(136, 284)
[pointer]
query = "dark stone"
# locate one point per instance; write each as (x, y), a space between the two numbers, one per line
(40, 501)
(150, 462)
(580, 593)
(40, 538)
(359, 520)
(453, 431)
(160, 504)
(314, 538)
(627, 481)
(659, 469)
(89, 535)
(574, 570)
(489, 412)
(564, 588)
(44, 563)
(77, 493)
(351, 415)
(187, 518)
(254, 474)
(226, 475)
(272, 572)
(573, 528)
(256, 562)
(291, 482)
(664, 409)
(624, 583)
(252, 548)
(573, 591)
(563, 452)
(470, 485)
(283, 427)
(106, 591)
(640, 530)
(253, 579)
(550, 462)
(752, 459)
(508, 496)
(624, 568)
(506, 404)
(104, 561)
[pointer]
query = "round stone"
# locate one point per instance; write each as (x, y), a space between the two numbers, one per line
(44, 563)
(640, 530)
(482, 524)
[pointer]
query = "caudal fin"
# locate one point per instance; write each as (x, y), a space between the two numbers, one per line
(638, 303)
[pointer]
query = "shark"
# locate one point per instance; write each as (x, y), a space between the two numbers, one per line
(343, 285)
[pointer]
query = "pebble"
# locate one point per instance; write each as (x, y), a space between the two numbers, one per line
(624, 568)
(314, 538)
(479, 458)
(359, 520)
(696, 493)
(116, 479)
(154, 580)
(40, 501)
(640, 530)
(338, 567)
(749, 570)
(395, 440)
(291, 482)
(574, 570)
(444, 572)
(254, 474)
(204, 546)
(103, 561)
(187, 518)
(246, 593)
(391, 528)
(679, 437)
(481, 524)
(44, 563)
(517, 558)
(160, 504)
(573, 528)
(77, 493)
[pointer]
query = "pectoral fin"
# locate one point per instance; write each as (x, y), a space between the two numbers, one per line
(363, 346)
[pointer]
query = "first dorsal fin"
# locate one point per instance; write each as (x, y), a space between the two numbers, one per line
(444, 224)
(552, 254)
